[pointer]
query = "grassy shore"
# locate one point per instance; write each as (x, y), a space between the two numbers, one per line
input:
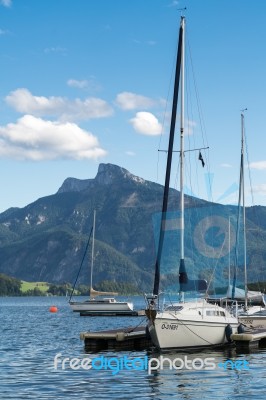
(42, 286)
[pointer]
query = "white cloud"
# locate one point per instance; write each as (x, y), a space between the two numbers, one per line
(88, 84)
(260, 189)
(130, 153)
(66, 110)
(189, 127)
(261, 165)
(35, 139)
(6, 3)
(224, 165)
(78, 84)
(146, 123)
(132, 101)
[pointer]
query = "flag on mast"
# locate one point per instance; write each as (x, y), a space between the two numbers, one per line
(201, 159)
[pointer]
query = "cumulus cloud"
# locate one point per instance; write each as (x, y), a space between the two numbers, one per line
(66, 110)
(260, 165)
(132, 101)
(34, 139)
(146, 123)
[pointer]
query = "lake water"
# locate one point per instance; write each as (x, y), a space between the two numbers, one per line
(31, 337)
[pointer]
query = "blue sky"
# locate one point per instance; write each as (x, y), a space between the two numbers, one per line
(89, 82)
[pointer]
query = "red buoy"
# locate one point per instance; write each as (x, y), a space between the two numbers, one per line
(53, 309)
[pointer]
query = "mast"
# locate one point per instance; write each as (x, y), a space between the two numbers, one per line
(244, 208)
(182, 271)
(92, 250)
(169, 159)
(229, 259)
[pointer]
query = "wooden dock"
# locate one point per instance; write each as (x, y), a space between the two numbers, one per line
(130, 338)
(250, 339)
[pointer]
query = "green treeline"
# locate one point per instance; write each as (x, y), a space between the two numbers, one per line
(14, 287)
(9, 286)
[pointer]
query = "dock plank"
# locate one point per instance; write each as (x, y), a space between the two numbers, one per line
(129, 338)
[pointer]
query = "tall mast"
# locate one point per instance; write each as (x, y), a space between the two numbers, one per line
(92, 250)
(169, 160)
(244, 208)
(229, 258)
(183, 279)
(182, 123)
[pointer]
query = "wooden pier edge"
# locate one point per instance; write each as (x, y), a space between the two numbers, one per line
(119, 339)
(248, 340)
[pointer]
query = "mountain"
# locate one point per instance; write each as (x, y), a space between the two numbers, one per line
(46, 240)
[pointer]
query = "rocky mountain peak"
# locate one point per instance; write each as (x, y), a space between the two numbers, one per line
(74, 185)
(107, 174)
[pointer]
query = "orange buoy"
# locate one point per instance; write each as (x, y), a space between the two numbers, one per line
(53, 309)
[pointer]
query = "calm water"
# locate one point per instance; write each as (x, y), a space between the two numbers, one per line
(31, 337)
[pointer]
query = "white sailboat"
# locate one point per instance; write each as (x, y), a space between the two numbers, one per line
(185, 324)
(97, 304)
(253, 313)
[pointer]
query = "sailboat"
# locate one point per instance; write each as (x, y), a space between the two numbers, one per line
(97, 304)
(253, 313)
(186, 323)
(235, 294)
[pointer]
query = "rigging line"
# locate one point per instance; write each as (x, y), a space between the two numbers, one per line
(194, 333)
(252, 193)
(131, 329)
(190, 123)
(202, 125)
(185, 151)
(167, 103)
(84, 255)
(249, 172)
(201, 120)
(212, 275)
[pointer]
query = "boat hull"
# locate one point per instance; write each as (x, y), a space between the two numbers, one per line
(253, 321)
(193, 326)
(95, 306)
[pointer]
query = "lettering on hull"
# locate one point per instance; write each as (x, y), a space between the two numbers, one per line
(172, 327)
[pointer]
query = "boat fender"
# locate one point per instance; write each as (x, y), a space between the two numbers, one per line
(120, 336)
(228, 332)
(148, 335)
(240, 328)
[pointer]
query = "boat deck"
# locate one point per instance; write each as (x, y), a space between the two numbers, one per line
(130, 338)
(251, 338)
